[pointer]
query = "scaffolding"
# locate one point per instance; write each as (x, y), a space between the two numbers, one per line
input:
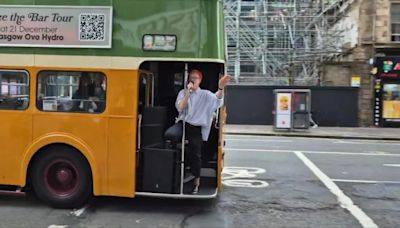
(282, 42)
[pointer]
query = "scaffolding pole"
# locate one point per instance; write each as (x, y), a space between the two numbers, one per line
(282, 42)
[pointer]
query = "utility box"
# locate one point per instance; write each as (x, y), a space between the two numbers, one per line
(292, 109)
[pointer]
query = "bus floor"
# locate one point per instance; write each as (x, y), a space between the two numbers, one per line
(207, 186)
(208, 183)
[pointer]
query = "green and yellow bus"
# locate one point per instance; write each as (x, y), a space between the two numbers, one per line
(88, 89)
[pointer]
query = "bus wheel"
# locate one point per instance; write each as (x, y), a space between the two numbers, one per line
(62, 178)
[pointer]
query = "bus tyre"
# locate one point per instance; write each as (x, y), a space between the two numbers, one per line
(62, 178)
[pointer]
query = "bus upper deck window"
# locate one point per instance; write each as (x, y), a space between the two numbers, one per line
(14, 90)
(60, 91)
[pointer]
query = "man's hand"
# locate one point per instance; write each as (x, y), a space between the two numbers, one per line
(190, 87)
(224, 81)
(184, 102)
(221, 85)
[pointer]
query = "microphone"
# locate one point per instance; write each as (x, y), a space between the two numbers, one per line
(190, 89)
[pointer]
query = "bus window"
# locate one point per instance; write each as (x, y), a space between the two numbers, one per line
(14, 90)
(60, 91)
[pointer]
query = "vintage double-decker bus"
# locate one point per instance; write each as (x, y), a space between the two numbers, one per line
(88, 90)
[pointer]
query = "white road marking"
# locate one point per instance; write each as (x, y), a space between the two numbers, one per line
(365, 142)
(241, 172)
(58, 226)
(343, 200)
(316, 152)
(246, 137)
(375, 152)
(334, 141)
(391, 165)
(138, 220)
(254, 136)
(243, 183)
(79, 212)
(261, 140)
(233, 177)
(366, 181)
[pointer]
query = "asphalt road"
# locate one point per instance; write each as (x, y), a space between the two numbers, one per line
(268, 182)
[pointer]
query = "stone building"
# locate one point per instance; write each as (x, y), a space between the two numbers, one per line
(372, 31)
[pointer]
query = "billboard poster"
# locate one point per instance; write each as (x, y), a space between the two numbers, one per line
(283, 104)
(55, 26)
(283, 110)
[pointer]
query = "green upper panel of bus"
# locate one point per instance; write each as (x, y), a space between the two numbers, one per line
(198, 25)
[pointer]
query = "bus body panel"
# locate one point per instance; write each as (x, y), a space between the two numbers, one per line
(122, 131)
(121, 160)
(107, 140)
(60, 138)
(221, 152)
(15, 136)
(196, 23)
(89, 131)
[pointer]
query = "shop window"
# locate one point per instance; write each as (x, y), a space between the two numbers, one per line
(60, 91)
(14, 90)
(391, 101)
(395, 15)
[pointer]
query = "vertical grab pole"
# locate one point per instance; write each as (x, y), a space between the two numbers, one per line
(152, 89)
(183, 133)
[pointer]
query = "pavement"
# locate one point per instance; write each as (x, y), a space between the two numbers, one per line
(366, 133)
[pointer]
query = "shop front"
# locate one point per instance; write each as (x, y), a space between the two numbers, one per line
(387, 91)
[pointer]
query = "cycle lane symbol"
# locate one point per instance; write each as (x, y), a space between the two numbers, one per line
(243, 177)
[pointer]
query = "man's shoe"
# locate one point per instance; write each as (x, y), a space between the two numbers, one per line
(315, 126)
(195, 189)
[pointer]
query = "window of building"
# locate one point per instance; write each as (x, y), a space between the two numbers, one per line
(60, 91)
(395, 14)
(14, 90)
(247, 68)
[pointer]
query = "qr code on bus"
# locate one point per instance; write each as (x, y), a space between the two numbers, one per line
(91, 27)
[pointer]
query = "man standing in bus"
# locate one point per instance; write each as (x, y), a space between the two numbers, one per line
(197, 107)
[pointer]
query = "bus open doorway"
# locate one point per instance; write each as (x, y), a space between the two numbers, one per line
(162, 170)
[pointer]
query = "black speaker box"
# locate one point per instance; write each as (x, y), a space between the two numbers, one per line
(154, 115)
(161, 170)
(153, 125)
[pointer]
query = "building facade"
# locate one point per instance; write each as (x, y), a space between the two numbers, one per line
(374, 40)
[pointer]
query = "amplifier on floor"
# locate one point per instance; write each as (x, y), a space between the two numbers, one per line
(161, 170)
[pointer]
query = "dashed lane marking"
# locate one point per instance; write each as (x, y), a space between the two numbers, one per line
(380, 153)
(366, 181)
(392, 143)
(391, 165)
(260, 140)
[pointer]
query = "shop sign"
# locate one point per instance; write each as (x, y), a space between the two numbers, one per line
(355, 81)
